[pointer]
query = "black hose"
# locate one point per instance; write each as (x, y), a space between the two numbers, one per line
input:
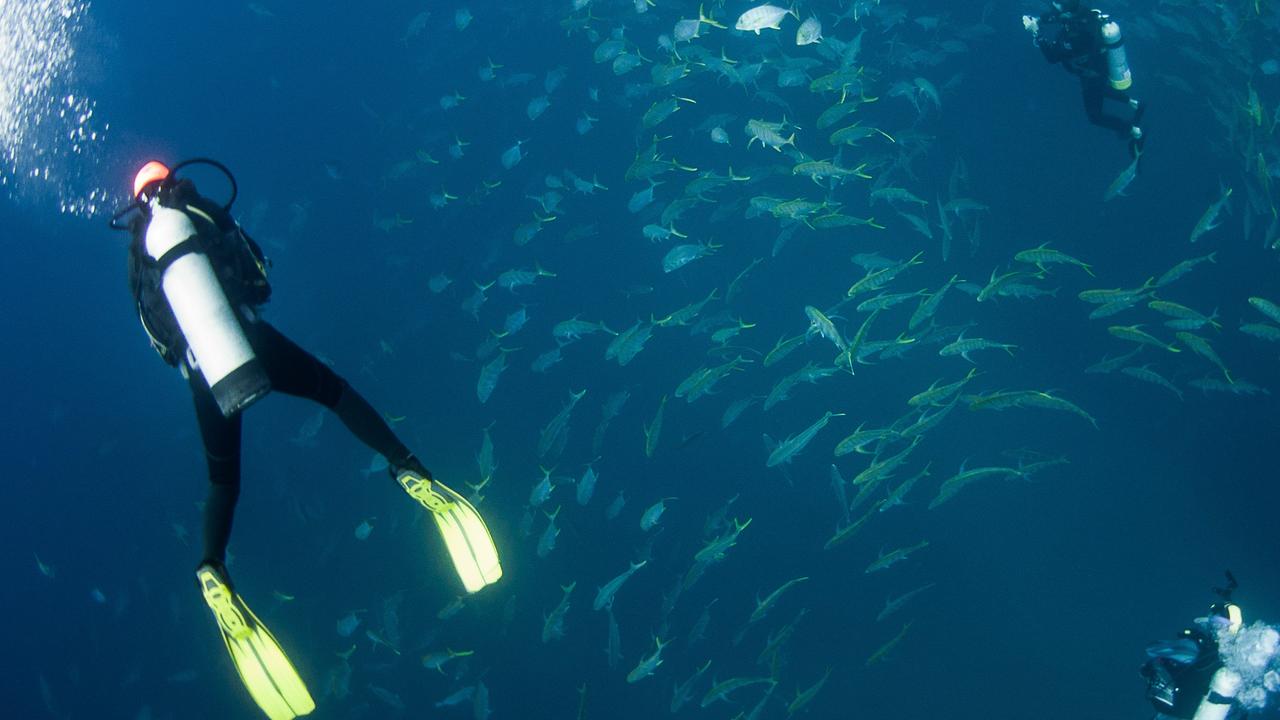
(235, 189)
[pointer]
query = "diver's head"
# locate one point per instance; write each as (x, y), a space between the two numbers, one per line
(1225, 615)
(148, 179)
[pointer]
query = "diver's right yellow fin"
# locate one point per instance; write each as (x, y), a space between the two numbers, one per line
(471, 548)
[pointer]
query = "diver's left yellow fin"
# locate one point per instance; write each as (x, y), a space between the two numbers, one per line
(262, 665)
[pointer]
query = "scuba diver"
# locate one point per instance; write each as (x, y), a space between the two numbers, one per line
(1199, 674)
(198, 281)
(1089, 45)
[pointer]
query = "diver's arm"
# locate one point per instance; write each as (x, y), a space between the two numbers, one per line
(1057, 39)
(1055, 51)
(1050, 18)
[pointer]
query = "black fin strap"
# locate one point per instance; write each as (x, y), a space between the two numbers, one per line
(186, 247)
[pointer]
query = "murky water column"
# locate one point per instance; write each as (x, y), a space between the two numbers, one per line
(48, 132)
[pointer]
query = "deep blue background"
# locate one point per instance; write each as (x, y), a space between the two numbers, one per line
(1047, 591)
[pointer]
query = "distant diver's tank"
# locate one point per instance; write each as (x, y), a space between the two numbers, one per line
(208, 323)
(1117, 63)
(1222, 692)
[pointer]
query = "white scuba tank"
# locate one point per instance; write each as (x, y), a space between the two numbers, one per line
(208, 323)
(1225, 684)
(1117, 63)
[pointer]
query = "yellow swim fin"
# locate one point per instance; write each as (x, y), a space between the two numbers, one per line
(262, 665)
(470, 545)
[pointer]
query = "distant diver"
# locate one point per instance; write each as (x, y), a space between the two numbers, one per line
(1216, 669)
(198, 281)
(1089, 45)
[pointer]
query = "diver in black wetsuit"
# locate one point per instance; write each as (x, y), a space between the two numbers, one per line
(198, 280)
(1089, 45)
(240, 268)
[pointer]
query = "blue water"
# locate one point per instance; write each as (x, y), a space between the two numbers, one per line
(1046, 591)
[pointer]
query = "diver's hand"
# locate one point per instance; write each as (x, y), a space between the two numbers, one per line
(1031, 25)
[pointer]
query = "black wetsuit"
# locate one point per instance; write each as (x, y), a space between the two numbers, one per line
(1075, 40)
(291, 369)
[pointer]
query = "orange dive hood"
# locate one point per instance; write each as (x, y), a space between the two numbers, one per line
(153, 171)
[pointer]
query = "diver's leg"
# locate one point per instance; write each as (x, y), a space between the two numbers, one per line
(1092, 100)
(1134, 134)
(221, 438)
(295, 371)
(1121, 97)
(1137, 106)
(1095, 91)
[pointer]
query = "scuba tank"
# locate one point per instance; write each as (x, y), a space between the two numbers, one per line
(1225, 684)
(1117, 63)
(1222, 692)
(216, 344)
